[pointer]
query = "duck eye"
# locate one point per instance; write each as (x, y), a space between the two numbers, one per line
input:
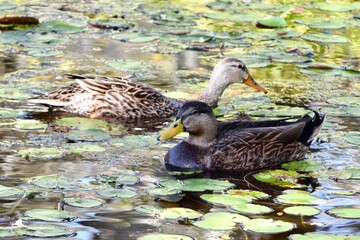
(195, 112)
(241, 66)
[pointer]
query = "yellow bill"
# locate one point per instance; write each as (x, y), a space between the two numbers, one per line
(174, 129)
(251, 82)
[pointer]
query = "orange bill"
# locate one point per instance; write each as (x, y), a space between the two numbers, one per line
(251, 82)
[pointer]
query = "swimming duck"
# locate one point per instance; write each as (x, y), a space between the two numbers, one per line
(236, 145)
(123, 98)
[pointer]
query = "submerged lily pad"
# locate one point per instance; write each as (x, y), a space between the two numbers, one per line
(322, 236)
(53, 182)
(41, 153)
(299, 197)
(164, 236)
(250, 208)
(90, 135)
(8, 191)
(179, 212)
(116, 193)
(78, 148)
(272, 22)
(281, 178)
(224, 199)
(345, 212)
(261, 225)
(134, 37)
(215, 224)
(83, 202)
(50, 215)
(325, 38)
(302, 210)
(119, 179)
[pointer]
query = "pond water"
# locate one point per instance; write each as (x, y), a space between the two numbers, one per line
(313, 63)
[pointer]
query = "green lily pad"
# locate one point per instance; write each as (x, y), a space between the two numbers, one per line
(90, 135)
(148, 209)
(331, 72)
(322, 236)
(281, 178)
(84, 123)
(224, 199)
(83, 202)
(197, 184)
(30, 124)
(7, 6)
(302, 210)
(248, 193)
(323, 24)
(345, 212)
(50, 215)
(179, 212)
(116, 193)
(355, 172)
(134, 141)
(10, 113)
(164, 191)
(353, 137)
(9, 191)
(41, 153)
(261, 225)
(119, 179)
(78, 148)
(62, 27)
(348, 100)
(215, 224)
(164, 236)
(325, 38)
(337, 7)
(134, 37)
(272, 22)
(299, 197)
(306, 165)
(47, 231)
(250, 208)
(226, 216)
(53, 182)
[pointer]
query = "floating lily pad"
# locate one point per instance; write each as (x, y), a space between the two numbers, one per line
(7, 5)
(302, 210)
(226, 215)
(248, 193)
(50, 215)
(337, 7)
(11, 113)
(78, 148)
(62, 27)
(306, 165)
(299, 197)
(134, 141)
(84, 123)
(179, 212)
(164, 191)
(41, 153)
(134, 37)
(325, 38)
(117, 193)
(30, 124)
(119, 179)
(90, 135)
(281, 178)
(272, 22)
(249, 208)
(53, 182)
(353, 137)
(83, 202)
(47, 231)
(345, 212)
(224, 199)
(261, 225)
(355, 172)
(8, 191)
(197, 184)
(215, 224)
(322, 236)
(148, 209)
(164, 236)
(323, 24)
(348, 100)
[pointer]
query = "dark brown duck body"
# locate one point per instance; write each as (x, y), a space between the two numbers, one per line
(118, 97)
(238, 145)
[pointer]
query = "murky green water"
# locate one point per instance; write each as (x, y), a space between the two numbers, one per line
(173, 47)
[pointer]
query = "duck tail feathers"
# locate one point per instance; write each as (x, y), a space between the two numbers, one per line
(312, 128)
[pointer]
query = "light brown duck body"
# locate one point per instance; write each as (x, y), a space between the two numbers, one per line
(123, 98)
(238, 145)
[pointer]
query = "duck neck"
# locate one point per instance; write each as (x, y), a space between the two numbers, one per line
(205, 137)
(217, 85)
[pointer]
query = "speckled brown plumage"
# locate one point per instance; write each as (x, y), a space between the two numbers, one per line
(239, 145)
(118, 97)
